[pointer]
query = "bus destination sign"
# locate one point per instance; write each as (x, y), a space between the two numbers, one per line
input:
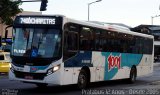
(36, 20)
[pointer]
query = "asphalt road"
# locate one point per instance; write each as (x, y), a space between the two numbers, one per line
(144, 85)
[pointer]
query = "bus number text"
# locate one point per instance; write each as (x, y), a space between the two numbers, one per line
(114, 62)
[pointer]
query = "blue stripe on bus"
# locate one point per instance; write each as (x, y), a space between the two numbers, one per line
(82, 58)
(126, 59)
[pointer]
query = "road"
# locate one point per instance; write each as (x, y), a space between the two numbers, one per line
(144, 85)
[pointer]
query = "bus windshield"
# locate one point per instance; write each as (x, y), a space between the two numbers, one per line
(36, 42)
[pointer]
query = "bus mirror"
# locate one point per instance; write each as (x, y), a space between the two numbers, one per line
(6, 31)
(6, 39)
(6, 34)
(0, 41)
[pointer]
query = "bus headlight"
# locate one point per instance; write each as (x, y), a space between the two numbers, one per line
(54, 69)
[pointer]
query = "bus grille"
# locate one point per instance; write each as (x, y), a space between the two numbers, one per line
(36, 76)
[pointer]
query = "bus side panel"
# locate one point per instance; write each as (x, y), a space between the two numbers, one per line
(146, 65)
(98, 62)
(93, 74)
(76, 71)
(105, 65)
(117, 65)
(74, 64)
(67, 76)
(123, 71)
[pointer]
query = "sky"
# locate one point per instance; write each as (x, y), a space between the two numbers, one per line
(129, 12)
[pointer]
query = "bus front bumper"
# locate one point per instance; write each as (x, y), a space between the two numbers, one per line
(53, 78)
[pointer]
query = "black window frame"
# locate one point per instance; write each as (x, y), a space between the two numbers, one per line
(113, 41)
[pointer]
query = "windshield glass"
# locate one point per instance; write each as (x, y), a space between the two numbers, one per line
(36, 42)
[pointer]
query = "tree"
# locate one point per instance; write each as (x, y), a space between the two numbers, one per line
(8, 9)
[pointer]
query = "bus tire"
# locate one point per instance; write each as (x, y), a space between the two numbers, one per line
(82, 79)
(41, 85)
(133, 75)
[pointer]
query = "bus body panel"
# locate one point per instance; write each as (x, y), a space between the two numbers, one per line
(146, 65)
(68, 76)
(108, 65)
(98, 62)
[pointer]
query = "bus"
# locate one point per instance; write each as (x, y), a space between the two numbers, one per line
(54, 49)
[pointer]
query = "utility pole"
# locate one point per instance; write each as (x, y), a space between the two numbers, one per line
(152, 18)
(89, 7)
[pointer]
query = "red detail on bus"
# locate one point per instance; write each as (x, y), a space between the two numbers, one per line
(111, 29)
(33, 69)
(114, 62)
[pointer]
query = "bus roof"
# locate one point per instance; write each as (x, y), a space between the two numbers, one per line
(115, 28)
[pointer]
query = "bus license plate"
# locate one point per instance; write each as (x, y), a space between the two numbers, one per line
(28, 77)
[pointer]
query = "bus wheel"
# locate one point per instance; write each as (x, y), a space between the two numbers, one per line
(82, 79)
(41, 85)
(133, 75)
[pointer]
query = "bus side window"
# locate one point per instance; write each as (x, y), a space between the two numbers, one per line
(70, 44)
(86, 40)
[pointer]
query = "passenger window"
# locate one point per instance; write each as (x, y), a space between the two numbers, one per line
(71, 41)
(86, 42)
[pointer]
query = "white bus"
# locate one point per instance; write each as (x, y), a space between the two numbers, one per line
(61, 51)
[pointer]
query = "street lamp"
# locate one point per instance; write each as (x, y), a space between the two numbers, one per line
(89, 6)
(152, 17)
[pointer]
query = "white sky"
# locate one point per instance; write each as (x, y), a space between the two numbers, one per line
(129, 12)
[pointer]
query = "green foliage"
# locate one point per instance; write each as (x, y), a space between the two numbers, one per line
(8, 9)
